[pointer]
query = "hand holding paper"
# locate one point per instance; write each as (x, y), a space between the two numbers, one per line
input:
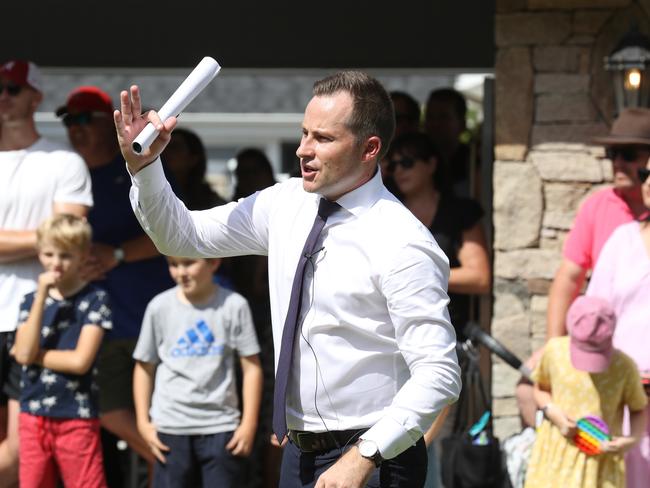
(197, 80)
(142, 137)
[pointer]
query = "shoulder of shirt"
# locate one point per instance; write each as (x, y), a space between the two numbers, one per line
(164, 298)
(47, 145)
(92, 289)
(599, 197)
(61, 155)
(395, 222)
(556, 343)
(290, 186)
(29, 296)
(620, 237)
(387, 216)
(625, 230)
(625, 361)
(286, 192)
(226, 296)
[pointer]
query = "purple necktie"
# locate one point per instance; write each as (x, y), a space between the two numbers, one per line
(325, 209)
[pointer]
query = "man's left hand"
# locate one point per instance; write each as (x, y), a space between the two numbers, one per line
(352, 470)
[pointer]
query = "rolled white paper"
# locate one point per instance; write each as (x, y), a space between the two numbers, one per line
(195, 82)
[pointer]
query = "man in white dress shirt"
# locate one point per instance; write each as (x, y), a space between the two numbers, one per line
(374, 353)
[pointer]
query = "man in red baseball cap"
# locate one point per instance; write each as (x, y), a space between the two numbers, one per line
(22, 73)
(87, 99)
(88, 118)
(37, 177)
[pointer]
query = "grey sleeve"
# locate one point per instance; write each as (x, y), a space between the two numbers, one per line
(244, 337)
(146, 350)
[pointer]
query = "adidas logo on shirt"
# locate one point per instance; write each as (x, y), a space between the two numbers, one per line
(197, 341)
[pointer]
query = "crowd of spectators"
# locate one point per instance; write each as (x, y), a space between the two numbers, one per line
(77, 273)
(92, 183)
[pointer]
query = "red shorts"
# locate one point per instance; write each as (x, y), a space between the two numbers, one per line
(52, 446)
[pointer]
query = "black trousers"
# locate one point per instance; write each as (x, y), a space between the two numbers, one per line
(301, 469)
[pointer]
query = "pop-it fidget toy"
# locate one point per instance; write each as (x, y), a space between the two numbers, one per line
(590, 434)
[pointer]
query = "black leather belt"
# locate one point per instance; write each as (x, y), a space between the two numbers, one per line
(323, 441)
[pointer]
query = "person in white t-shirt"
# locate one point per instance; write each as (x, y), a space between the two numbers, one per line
(37, 178)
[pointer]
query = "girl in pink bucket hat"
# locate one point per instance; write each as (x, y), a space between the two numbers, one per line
(583, 375)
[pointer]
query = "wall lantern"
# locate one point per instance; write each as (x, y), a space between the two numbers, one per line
(629, 63)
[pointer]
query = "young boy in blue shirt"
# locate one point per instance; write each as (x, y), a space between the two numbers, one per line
(184, 380)
(61, 328)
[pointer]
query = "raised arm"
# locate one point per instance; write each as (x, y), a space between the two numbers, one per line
(27, 347)
(229, 230)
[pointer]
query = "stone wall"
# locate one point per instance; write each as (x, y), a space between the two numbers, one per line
(552, 97)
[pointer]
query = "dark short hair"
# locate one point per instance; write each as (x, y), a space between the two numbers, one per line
(196, 148)
(449, 95)
(412, 105)
(418, 145)
(372, 112)
(261, 169)
(258, 158)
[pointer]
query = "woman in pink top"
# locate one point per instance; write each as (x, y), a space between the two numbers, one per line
(622, 275)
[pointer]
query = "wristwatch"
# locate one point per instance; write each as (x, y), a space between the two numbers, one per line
(118, 254)
(369, 450)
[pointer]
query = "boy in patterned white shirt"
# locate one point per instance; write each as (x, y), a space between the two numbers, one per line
(61, 326)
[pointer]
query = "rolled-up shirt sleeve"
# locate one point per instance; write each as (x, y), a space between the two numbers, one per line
(228, 230)
(415, 287)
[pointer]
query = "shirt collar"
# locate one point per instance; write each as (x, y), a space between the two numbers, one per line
(361, 199)
(615, 196)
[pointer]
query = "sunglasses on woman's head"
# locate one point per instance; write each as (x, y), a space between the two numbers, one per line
(405, 163)
(12, 89)
(627, 153)
(643, 174)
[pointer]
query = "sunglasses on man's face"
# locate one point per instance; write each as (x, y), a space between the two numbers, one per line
(405, 163)
(643, 174)
(12, 89)
(627, 154)
(82, 118)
